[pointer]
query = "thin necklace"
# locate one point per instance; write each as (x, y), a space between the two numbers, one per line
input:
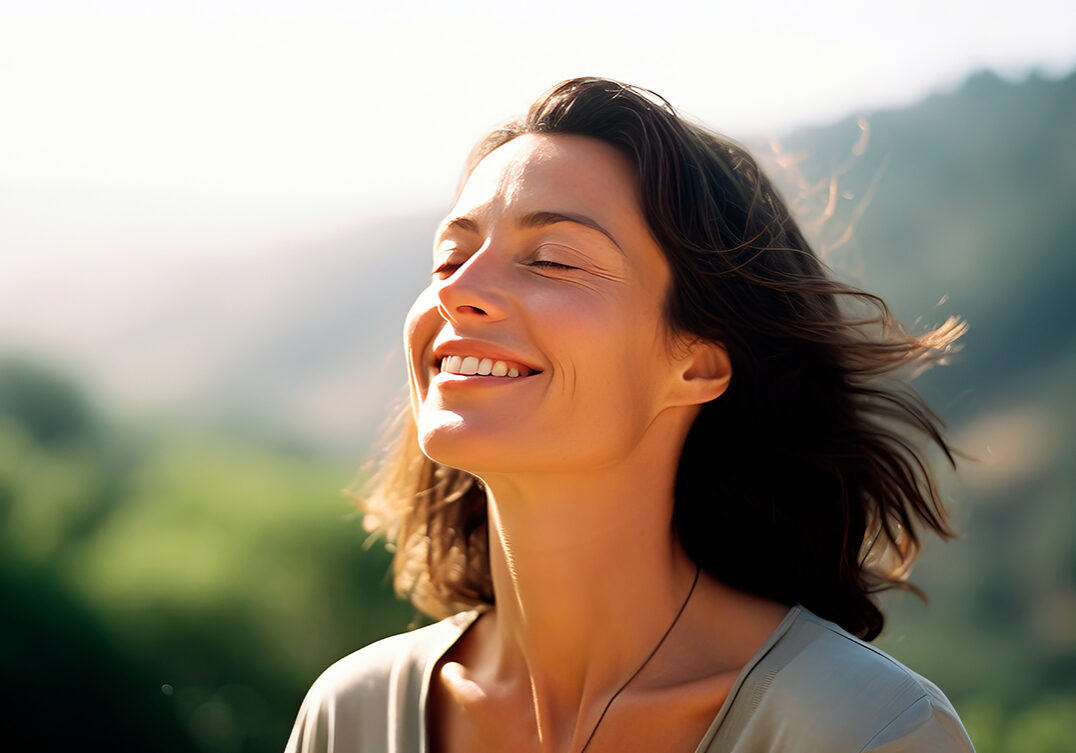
(646, 661)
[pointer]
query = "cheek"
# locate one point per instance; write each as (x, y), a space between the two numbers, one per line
(632, 349)
(422, 315)
(423, 321)
(615, 372)
(421, 326)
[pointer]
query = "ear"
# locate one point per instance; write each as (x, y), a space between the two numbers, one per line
(704, 372)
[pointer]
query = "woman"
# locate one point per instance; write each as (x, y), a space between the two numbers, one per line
(659, 456)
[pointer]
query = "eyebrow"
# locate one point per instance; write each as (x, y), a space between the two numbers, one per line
(536, 220)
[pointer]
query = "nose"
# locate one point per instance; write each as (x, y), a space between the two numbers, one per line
(475, 291)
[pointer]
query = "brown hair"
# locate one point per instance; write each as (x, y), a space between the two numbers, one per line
(807, 480)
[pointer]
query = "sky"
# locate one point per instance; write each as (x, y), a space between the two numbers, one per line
(148, 130)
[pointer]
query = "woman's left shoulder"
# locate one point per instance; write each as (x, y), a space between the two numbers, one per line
(828, 690)
(371, 700)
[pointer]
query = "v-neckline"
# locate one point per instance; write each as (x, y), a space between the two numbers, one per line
(467, 619)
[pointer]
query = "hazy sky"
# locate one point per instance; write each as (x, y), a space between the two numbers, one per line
(173, 129)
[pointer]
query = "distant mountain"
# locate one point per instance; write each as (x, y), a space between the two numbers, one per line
(967, 196)
(974, 202)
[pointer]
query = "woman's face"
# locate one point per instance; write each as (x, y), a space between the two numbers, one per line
(547, 281)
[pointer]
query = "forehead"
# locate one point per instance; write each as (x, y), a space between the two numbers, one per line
(551, 172)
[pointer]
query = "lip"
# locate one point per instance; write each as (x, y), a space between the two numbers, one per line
(467, 347)
(444, 379)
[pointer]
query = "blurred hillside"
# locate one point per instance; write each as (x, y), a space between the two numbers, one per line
(175, 578)
(967, 197)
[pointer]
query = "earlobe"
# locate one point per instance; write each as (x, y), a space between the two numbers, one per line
(706, 374)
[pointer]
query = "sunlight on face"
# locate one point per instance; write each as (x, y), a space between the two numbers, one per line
(546, 281)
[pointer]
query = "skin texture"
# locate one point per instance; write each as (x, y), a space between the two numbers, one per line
(546, 261)
(594, 329)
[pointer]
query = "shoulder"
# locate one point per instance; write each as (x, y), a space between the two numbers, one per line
(362, 699)
(824, 689)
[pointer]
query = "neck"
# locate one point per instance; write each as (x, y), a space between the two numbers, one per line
(588, 577)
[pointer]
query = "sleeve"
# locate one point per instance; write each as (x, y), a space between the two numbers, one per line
(313, 727)
(925, 725)
(370, 701)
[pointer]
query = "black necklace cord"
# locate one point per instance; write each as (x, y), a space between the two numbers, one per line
(646, 661)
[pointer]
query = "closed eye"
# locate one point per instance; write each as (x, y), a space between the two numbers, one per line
(551, 265)
(445, 269)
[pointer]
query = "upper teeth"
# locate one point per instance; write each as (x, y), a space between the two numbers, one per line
(468, 365)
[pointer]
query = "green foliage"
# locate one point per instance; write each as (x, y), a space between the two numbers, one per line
(47, 406)
(67, 683)
(1044, 727)
(192, 588)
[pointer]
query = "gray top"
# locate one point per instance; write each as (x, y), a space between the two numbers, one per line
(811, 687)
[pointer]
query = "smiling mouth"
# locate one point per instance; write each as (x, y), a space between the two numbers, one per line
(475, 366)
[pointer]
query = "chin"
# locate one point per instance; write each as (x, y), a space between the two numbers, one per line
(496, 452)
(444, 438)
(484, 452)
